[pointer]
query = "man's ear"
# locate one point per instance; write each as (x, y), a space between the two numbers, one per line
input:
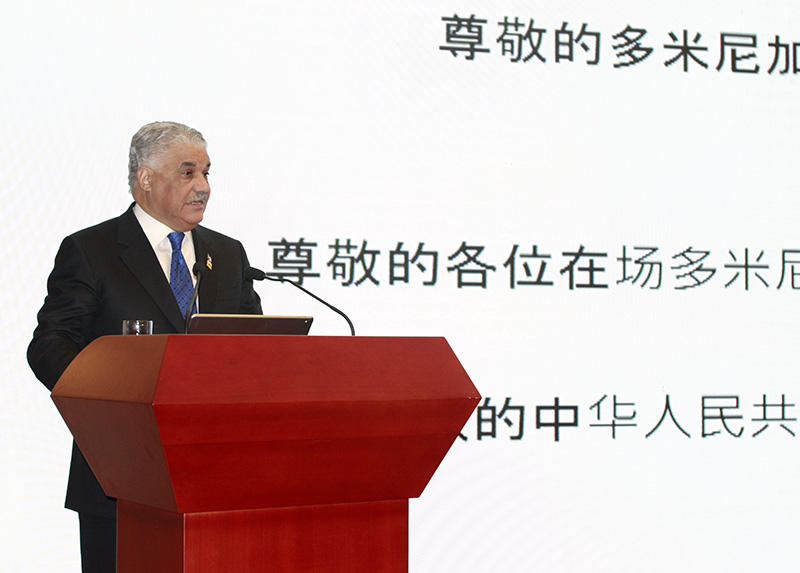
(143, 176)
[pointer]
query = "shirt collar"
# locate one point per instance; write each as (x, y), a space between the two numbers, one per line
(154, 230)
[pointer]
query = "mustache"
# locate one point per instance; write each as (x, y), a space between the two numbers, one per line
(199, 196)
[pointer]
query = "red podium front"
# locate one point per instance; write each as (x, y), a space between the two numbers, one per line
(264, 453)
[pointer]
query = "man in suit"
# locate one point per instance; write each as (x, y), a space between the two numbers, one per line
(136, 266)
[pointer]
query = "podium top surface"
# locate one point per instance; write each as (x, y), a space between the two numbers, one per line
(212, 369)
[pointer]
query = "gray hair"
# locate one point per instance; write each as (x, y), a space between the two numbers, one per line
(153, 140)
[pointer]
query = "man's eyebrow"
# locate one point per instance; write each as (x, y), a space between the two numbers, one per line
(193, 164)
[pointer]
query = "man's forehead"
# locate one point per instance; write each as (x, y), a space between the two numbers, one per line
(188, 156)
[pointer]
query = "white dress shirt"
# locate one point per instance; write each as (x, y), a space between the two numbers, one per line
(156, 233)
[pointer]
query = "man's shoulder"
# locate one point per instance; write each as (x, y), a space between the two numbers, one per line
(215, 237)
(108, 228)
(226, 250)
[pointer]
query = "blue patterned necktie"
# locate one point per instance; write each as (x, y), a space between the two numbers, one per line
(179, 278)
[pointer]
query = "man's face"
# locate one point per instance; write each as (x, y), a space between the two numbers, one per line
(177, 190)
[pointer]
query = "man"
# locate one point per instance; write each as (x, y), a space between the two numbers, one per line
(127, 268)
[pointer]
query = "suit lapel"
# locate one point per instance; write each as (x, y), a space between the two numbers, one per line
(137, 254)
(204, 254)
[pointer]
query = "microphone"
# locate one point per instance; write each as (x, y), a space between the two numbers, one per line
(197, 270)
(259, 275)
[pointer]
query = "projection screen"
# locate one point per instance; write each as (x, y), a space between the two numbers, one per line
(595, 203)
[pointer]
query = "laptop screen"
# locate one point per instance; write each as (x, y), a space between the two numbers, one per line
(248, 324)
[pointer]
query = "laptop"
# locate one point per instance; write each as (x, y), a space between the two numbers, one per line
(248, 324)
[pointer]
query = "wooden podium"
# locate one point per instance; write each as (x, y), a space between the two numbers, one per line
(264, 453)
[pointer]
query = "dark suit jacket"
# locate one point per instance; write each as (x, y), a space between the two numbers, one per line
(106, 274)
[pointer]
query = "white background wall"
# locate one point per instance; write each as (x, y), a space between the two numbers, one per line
(345, 120)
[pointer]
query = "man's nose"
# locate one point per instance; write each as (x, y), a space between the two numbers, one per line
(201, 184)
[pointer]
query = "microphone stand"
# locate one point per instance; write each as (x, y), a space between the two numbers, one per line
(197, 270)
(259, 275)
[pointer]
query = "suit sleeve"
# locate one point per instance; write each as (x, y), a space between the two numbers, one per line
(64, 321)
(250, 303)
